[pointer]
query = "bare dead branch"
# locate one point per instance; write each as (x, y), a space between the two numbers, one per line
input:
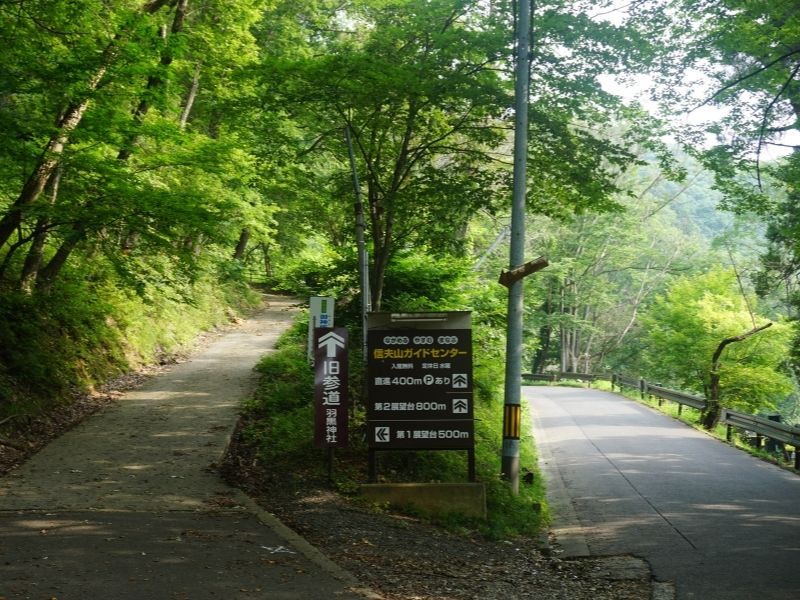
(730, 340)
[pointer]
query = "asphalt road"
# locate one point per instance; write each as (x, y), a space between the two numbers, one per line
(623, 478)
(128, 505)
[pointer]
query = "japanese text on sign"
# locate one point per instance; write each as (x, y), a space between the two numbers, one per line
(420, 383)
(330, 392)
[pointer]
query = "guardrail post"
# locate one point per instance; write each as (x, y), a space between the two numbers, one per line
(796, 459)
(642, 388)
(772, 444)
(729, 432)
(613, 381)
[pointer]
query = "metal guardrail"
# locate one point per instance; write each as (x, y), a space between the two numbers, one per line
(682, 398)
(788, 434)
(621, 381)
(590, 377)
(553, 377)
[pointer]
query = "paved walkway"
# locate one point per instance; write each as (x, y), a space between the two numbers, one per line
(623, 478)
(126, 506)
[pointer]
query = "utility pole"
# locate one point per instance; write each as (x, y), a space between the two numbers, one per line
(363, 273)
(512, 402)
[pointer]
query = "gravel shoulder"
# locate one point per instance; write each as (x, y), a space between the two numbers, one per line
(404, 558)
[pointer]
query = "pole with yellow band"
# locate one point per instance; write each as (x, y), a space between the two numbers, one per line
(511, 422)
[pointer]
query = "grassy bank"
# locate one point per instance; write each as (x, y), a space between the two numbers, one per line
(56, 345)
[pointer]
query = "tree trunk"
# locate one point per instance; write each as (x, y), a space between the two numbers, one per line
(545, 337)
(267, 260)
(380, 263)
(35, 256)
(714, 408)
(190, 97)
(241, 247)
(155, 81)
(49, 273)
(51, 157)
(65, 125)
(382, 224)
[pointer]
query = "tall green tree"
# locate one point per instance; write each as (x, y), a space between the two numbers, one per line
(605, 269)
(704, 333)
(426, 89)
(144, 165)
(742, 58)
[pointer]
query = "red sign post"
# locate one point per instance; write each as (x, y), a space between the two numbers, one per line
(330, 387)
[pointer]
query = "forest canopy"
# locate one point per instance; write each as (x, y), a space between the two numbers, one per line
(162, 154)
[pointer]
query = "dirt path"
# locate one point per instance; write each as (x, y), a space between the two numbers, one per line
(126, 506)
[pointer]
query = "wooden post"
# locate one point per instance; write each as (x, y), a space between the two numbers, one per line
(372, 462)
(471, 465)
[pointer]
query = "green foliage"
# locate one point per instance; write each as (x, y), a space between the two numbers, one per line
(744, 63)
(282, 408)
(426, 91)
(47, 347)
(81, 334)
(419, 282)
(605, 267)
(315, 269)
(686, 325)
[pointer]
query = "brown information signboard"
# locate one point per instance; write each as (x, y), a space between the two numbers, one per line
(419, 381)
(330, 387)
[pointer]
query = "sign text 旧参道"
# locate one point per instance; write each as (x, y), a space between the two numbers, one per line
(330, 387)
(420, 384)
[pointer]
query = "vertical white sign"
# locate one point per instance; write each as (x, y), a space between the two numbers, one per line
(320, 314)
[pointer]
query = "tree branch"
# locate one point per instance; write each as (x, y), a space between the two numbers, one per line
(737, 338)
(745, 77)
(767, 110)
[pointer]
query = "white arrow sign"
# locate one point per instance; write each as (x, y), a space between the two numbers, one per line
(460, 405)
(330, 341)
(382, 434)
